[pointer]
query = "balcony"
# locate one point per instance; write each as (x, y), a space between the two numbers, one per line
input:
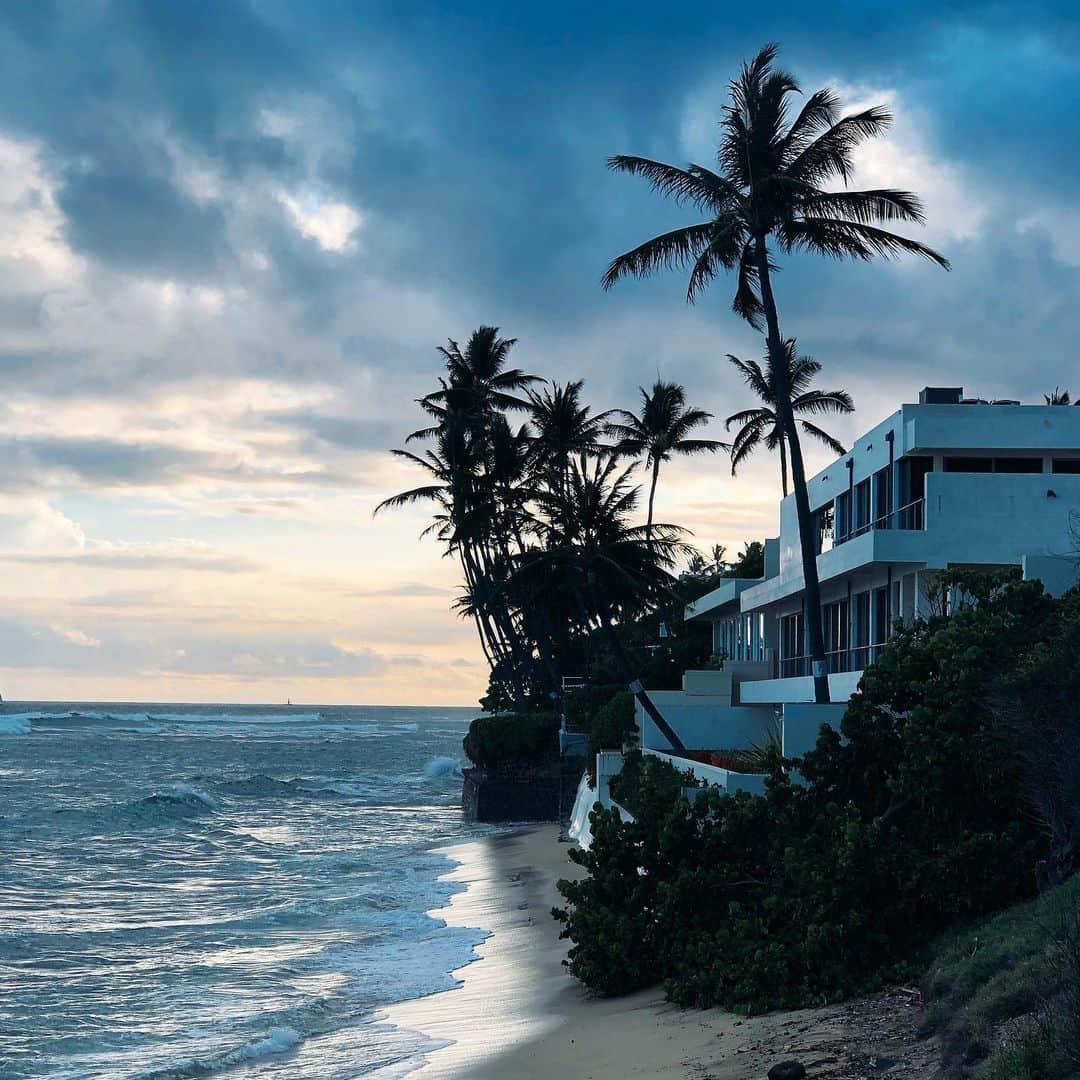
(853, 658)
(910, 517)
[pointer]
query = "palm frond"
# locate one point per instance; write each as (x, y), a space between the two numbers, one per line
(694, 184)
(832, 443)
(671, 251)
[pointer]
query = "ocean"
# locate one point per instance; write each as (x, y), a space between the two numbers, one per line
(192, 891)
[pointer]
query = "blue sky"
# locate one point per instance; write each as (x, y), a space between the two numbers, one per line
(231, 235)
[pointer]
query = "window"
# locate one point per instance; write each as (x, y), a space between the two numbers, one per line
(1018, 465)
(997, 464)
(843, 517)
(913, 472)
(862, 505)
(836, 628)
(969, 464)
(1067, 465)
(882, 629)
(882, 498)
(792, 661)
(825, 528)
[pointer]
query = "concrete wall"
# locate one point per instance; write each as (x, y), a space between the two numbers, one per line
(704, 723)
(802, 724)
(724, 779)
(1057, 573)
(783, 691)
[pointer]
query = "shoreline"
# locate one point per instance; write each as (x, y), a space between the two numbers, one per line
(519, 1015)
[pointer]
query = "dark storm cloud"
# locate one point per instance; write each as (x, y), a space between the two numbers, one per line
(139, 221)
(472, 138)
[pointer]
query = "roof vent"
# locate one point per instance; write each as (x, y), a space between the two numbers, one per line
(941, 395)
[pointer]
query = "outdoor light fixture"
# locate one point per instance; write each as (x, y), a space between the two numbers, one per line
(1051, 493)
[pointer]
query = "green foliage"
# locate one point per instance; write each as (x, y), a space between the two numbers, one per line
(1001, 969)
(645, 777)
(908, 823)
(512, 739)
(612, 724)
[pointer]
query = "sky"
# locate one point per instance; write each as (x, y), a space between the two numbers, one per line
(232, 235)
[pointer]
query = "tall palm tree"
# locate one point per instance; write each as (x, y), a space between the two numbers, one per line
(611, 569)
(564, 426)
(1058, 397)
(763, 424)
(769, 194)
(661, 429)
(475, 498)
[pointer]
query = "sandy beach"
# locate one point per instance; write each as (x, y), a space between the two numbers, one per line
(519, 1014)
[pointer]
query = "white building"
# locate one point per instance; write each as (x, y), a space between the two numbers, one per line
(948, 482)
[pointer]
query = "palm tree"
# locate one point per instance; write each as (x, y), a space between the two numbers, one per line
(477, 468)
(564, 427)
(769, 195)
(1058, 397)
(763, 424)
(610, 567)
(661, 429)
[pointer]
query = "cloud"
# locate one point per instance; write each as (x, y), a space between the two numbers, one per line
(173, 555)
(231, 236)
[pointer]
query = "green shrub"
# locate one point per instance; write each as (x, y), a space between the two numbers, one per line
(612, 724)
(510, 740)
(642, 773)
(582, 705)
(908, 823)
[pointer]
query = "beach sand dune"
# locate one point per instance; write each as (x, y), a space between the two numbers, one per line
(520, 1016)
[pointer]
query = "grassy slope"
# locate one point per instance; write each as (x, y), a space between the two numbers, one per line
(999, 970)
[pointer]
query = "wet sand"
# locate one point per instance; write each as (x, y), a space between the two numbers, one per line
(520, 1016)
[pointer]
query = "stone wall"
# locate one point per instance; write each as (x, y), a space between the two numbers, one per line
(521, 795)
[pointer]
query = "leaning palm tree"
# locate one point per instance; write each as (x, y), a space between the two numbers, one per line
(763, 423)
(1057, 397)
(770, 195)
(660, 430)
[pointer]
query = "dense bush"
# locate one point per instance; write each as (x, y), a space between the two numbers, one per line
(810, 894)
(512, 739)
(612, 724)
(644, 776)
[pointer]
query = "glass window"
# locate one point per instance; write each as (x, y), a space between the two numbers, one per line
(825, 528)
(969, 464)
(1067, 465)
(1018, 465)
(862, 504)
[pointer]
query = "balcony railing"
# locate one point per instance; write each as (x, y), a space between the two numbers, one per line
(853, 658)
(907, 517)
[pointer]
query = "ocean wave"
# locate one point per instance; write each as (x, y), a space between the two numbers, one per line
(177, 801)
(442, 766)
(278, 1040)
(16, 724)
(260, 785)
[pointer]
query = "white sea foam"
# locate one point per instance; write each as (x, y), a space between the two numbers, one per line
(442, 766)
(276, 1041)
(188, 793)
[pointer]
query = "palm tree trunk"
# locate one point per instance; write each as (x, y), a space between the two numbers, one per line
(652, 495)
(622, 659)
(783, 464)
(812, 589)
